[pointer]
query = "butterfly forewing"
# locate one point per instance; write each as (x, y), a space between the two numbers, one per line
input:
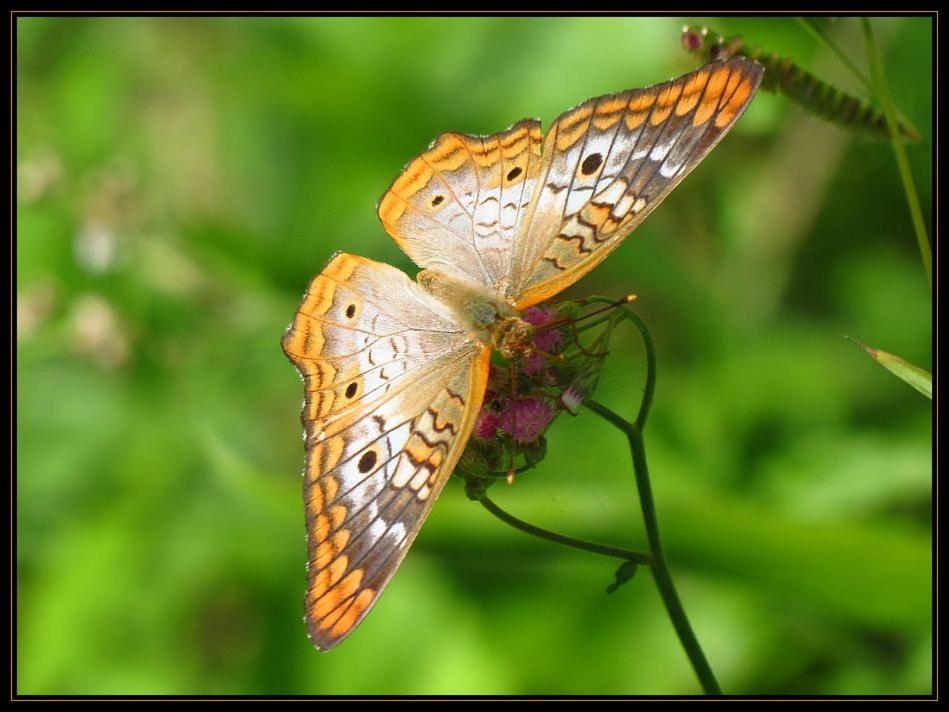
(610, 161)
(392, 385)
(457, 207)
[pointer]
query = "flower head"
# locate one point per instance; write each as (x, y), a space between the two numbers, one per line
(486, 427)
(525, 395)
(538, 316)
(550, 340)
(534, 364)
(525, 419)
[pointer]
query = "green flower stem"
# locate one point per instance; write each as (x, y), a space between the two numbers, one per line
(905, 126)
(902, 162)
(659, 568)
(581, 544)
(655, 559)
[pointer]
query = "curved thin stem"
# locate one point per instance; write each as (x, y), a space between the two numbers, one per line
(649, 388)
(825, 40)
(655, 559)
(905, 125)
(902, 162)
(582, 544)
(659, 568)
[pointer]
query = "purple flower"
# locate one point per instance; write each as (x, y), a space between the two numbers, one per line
(525, 419)
(534, 364)
(524, 395)
(538, 316)
(486, 427)
(550, 340)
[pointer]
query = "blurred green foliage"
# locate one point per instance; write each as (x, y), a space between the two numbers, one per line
(181, 180)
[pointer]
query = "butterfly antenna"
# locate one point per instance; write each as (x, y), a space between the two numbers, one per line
(628, 299)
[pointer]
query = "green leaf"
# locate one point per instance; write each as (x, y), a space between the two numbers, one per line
(919, 379)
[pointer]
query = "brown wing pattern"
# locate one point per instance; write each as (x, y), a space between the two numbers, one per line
(393, 383)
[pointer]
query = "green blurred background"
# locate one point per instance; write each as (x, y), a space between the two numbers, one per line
(181, 180)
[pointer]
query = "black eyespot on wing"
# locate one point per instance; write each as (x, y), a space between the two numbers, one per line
(351, 389)
(513, 173)
(351, 311)
(437, 200)
(367, 461)
(591, 163)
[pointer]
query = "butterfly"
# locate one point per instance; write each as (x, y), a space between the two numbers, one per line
(395, 371)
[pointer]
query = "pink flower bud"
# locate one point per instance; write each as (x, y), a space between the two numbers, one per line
(486, 427)
(538, 316)
(549, 341)
(691, 40)
(572, 398)
(534, 364)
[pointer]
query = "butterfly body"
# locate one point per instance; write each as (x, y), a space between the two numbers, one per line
(493, 322)
(472, 304)
(395, 370)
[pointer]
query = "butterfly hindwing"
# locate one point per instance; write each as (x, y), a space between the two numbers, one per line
(610, 161)
(393, 383)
